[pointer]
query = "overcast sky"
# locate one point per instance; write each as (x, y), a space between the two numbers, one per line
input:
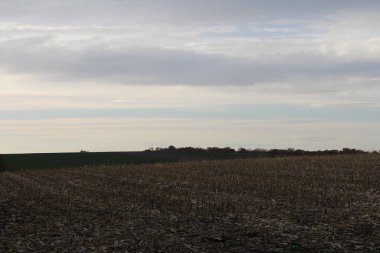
(131, 74)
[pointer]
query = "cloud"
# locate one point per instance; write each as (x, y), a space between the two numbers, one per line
(300, 46)
(171, 42)
(252, 73)
(169, 11)
(158, 66)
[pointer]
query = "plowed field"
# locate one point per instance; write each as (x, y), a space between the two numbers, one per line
(308, 204)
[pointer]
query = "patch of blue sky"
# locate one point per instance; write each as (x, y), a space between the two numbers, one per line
(267, 30)
(235, 112)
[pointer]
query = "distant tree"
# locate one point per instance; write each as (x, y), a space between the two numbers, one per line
(351, 151)
(298, 152)
(189, 150)
(276, 152)
(151, 149)
(172, 148)
(242, 150)
(214, 150)
(228, 150)
(259, 150)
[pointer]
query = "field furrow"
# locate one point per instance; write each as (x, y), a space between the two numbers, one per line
(252, 205)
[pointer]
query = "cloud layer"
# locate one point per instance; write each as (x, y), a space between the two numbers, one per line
(221, 42)
(170, 11)
(215, 55)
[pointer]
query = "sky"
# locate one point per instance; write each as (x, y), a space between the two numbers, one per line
(121, 75)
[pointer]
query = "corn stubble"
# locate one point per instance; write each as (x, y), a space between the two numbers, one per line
(308, 204)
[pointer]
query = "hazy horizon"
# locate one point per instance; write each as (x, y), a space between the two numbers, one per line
(124, 75)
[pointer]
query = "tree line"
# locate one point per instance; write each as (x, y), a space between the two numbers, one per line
(258, 152)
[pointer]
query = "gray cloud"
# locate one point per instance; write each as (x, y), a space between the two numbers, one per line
(143, 52)
(155, 66)
(169, 11)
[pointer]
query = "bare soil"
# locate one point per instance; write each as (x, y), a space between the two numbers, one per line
(308, 204)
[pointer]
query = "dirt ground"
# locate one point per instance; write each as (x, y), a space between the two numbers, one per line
(308, 204)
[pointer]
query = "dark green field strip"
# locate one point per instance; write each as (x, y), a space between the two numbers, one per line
(16, 162)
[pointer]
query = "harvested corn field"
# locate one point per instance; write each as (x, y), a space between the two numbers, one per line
(307, 204)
